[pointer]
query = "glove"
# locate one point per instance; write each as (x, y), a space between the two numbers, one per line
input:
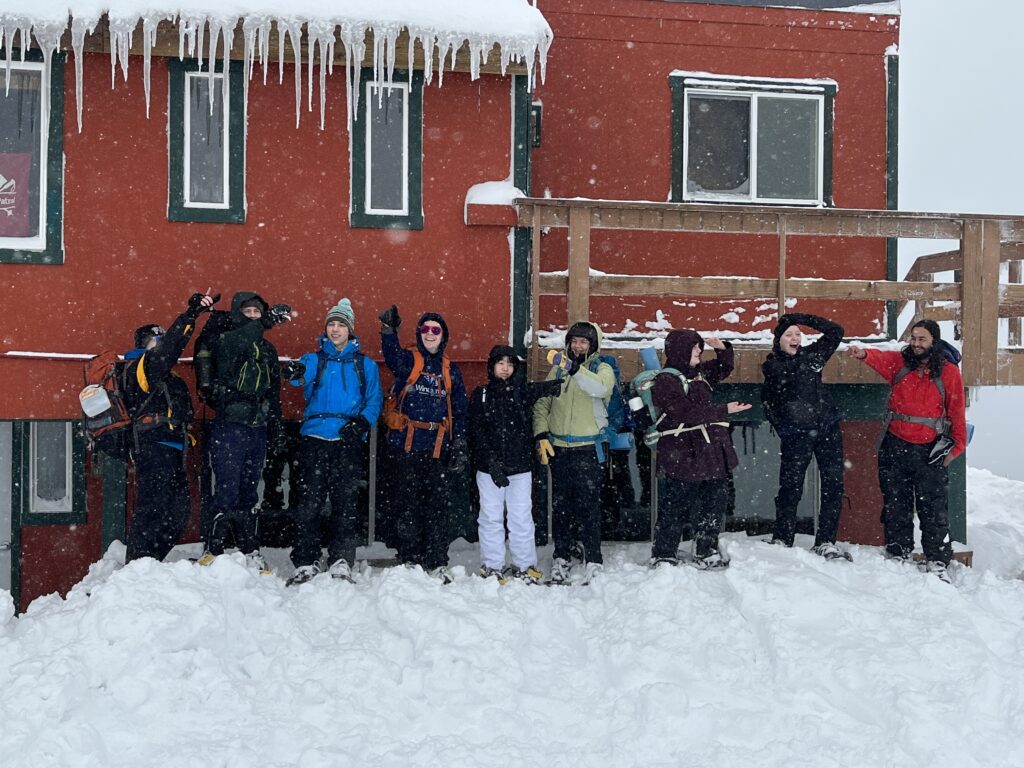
(562, 360)
(294, 370)
(544, 449)
(497, 474)
(389, 318)
(458, 459)
(356, 429)
(195, 303)
(277, 314)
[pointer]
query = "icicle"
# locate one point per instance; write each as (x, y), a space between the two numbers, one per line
(264, 48)
(281, 38)
(200, 31)
(149, 25)
(9, 40)
(311, 42)
(295, 33)
(392, 41)
(182, 28)
(26, 38)
(429, 42)
(79, 28)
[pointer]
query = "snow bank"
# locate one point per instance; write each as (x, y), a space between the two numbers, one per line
(783, 660)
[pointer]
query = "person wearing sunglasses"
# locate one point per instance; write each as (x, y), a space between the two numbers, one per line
(161, 409)
(426, 418)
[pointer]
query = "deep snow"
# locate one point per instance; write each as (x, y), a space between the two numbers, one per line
(783, 660)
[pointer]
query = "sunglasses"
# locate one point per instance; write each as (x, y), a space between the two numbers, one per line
(430, 330)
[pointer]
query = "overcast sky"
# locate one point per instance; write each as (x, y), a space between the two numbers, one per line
(961, 107)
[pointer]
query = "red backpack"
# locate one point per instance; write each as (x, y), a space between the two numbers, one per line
(107, 419)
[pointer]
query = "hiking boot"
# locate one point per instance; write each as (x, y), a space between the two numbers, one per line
(257, 562)
(530, 576)
(938, 568)
(713, 561)
(486, 572)
(655, 562)
(206, 559)
(442, 574)
(303, 574)
(577, 552)
(340, 570)
(560, 571)
(830, 551)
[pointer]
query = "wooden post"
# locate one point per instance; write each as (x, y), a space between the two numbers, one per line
(1014, 276)
(979, 305)
(578, 303)
(534, 290)
(782, 265)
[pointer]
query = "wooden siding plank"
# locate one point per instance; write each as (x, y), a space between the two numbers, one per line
(578, 304)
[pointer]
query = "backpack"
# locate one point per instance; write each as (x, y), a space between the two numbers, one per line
(108, 421)
(392, 411)
(619, 432)
(321, 365)
(642, 386)
(940, 424)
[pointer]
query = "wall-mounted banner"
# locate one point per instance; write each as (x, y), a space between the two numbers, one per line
(15, 168)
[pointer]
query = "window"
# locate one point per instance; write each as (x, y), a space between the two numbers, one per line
(31, 159)
(50, 477)
(387, 147)
(207, 144)
(752, 141)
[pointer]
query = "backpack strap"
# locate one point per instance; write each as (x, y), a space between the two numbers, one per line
(322, 359)
(440, 428)
(939, 423)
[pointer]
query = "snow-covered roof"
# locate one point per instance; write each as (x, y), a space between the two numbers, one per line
(517, 27)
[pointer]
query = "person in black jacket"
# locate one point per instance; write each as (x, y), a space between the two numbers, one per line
(803, 414)
(161, 409)
(501, 441)
(245, 388)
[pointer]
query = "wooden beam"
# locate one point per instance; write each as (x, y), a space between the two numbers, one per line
(782, 267)
(535, 286)
(578, 303)
(167, 43)
(980, 302)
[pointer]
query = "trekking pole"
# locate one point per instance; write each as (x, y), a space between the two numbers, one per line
(654, 490)
(371, 529)
(550, 506)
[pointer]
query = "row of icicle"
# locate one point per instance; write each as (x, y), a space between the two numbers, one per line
(200, 37)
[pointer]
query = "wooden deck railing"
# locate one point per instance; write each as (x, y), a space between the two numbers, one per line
(975, 299)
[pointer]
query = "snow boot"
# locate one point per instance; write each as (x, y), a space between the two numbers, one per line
(487, 572)
(938, 568)
(560, 571)
(590, 571)
(656, 562)
(207, 558)
(529, 576)
(340, 570)
(303, 574)
(257, 562)
(830, 551)
(442, 574)
(713, 561)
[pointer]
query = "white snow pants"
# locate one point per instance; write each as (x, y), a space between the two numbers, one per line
(516, 497)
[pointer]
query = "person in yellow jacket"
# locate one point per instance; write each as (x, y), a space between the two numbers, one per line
(567, 429)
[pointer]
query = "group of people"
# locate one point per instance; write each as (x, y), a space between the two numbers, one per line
(434, 431)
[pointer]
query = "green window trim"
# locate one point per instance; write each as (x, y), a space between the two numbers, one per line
(358, 215)
(53, 252)
(177, 208)
(762, 86)
(22, 473)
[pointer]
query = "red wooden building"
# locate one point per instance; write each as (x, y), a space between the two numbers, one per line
(386, 199)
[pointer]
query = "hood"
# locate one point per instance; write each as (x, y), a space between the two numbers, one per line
(586, 330)
(239, 299)
(678, 346)
(497, 352)
(444, 332)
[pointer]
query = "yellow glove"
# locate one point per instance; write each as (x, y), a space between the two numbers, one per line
(545, 450)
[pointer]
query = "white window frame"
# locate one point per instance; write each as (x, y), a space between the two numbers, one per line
(217, 81)
(754, 93)
(65, 504)
(37, 243)
(368, 149)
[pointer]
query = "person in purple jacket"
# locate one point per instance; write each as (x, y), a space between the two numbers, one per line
(695, 451)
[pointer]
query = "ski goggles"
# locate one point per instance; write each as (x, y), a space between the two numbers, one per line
(430, 330)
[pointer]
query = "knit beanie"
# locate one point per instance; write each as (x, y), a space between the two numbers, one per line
(342, 312)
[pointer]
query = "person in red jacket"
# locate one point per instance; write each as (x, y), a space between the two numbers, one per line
(925, 430)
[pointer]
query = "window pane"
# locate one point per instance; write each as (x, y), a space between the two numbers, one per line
(386, 149)
(20, 153)
(718, 137)
(787, 148)
(51, 460)
(206, 141)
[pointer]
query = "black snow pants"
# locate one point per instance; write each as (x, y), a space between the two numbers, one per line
(328, 469)
(420, 484)
(576, 477)
(908, 481)
(700, 504)
(161, 501)
(826, 445)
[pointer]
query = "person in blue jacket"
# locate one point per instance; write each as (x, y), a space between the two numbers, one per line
(343, 399)
(427, 437)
